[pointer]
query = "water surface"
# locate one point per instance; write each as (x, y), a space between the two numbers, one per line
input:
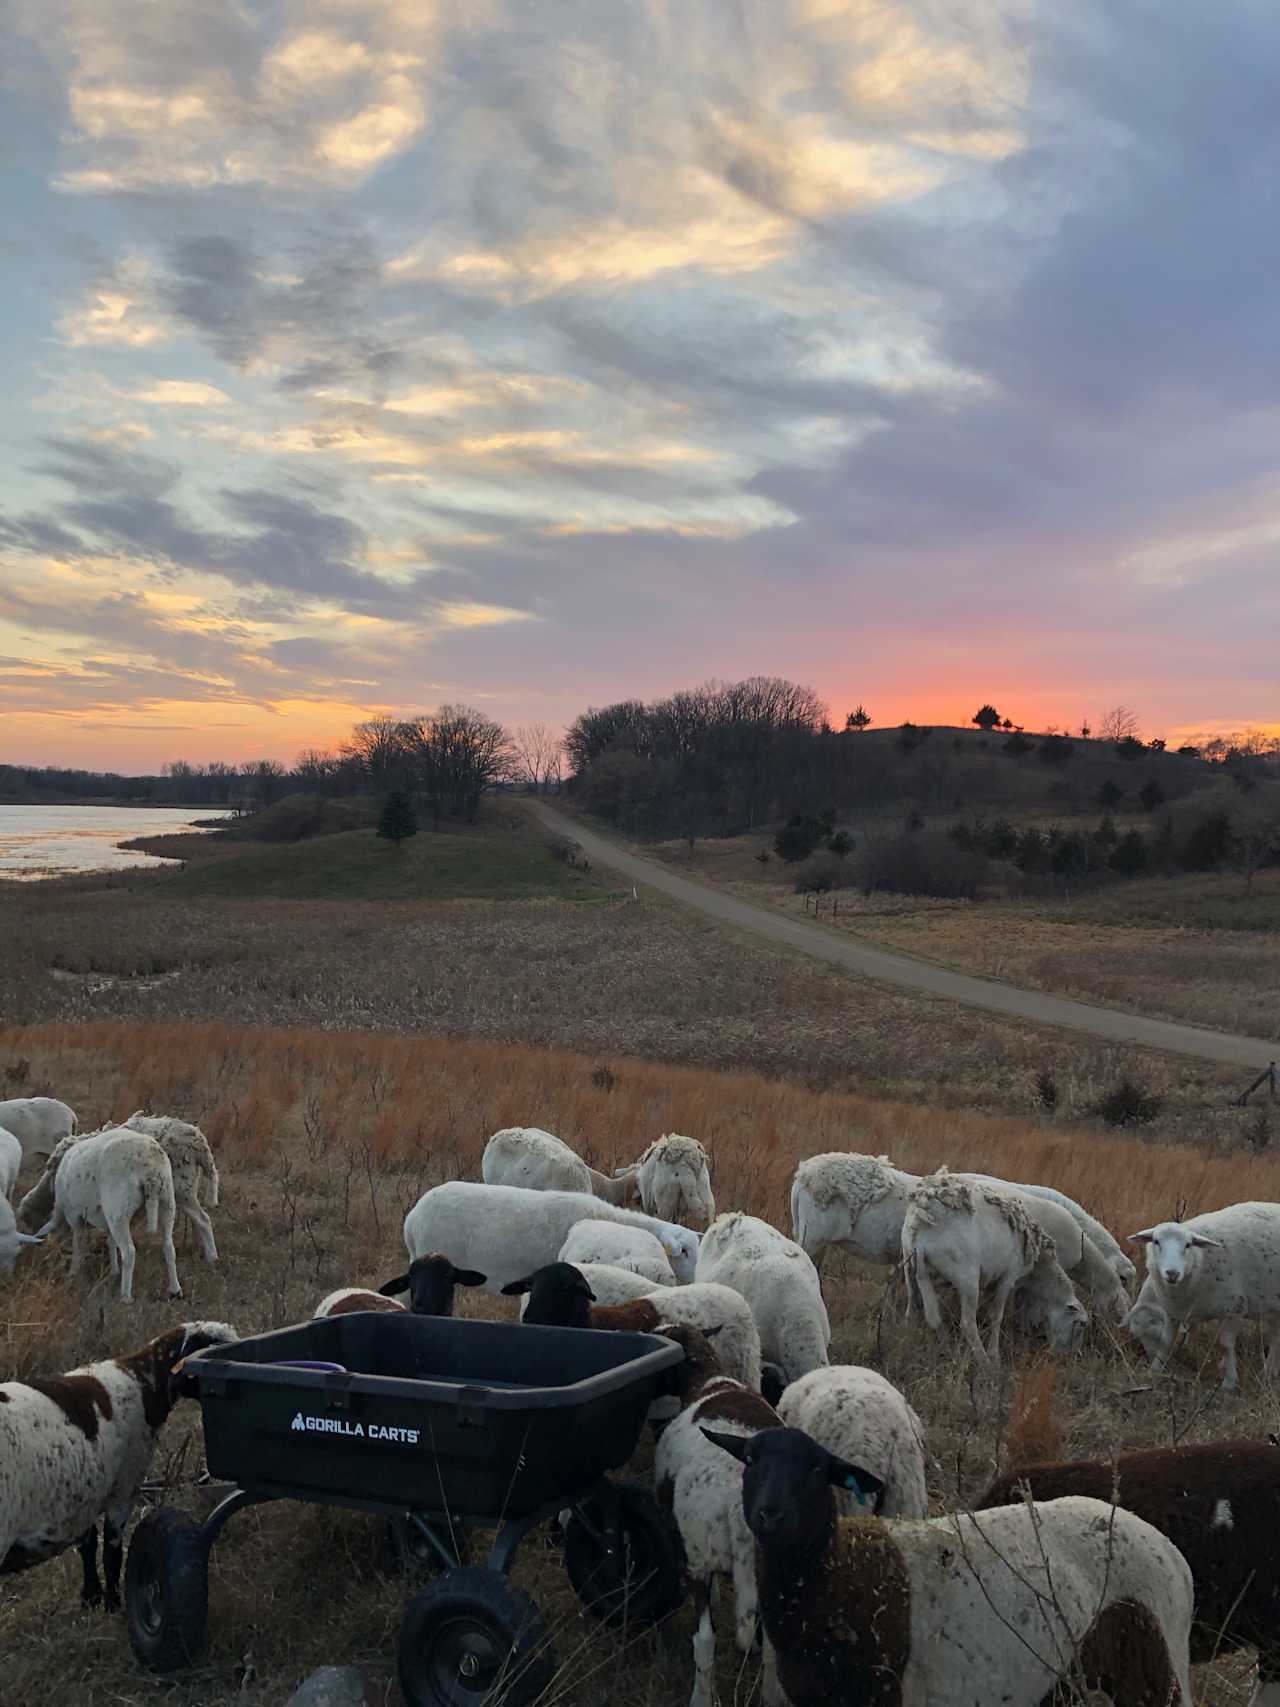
(49, 841)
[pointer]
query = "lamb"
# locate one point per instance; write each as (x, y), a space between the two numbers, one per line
(1006, 1606)
(506, 1231)
(780, 1284)
(527, 1156)
(37, 1123)
(561, 1295)
(1219, 1504)
(190, 1160)
(77, 1447)
(973, 1236)
(858, 1415)
(619, 1247)
(700, 1487)
(674, 1179)
(103, 1181)
(1223, 1266)
(429, 1281)
(10, 1162)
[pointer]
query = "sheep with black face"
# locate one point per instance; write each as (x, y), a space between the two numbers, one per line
(1005, 1606)
(429, 1281)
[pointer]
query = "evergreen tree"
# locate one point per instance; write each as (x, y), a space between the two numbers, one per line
(986, 717)
(859, 718)
(398, 821)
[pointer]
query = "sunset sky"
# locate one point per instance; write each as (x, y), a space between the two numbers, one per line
(535, 353)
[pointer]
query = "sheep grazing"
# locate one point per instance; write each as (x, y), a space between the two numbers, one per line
(190, 1161)
(535, 1160)
(1124, 1269)
(844, 1198)
(702, 1490)
(858, 1415)
(780, 1284)
(674, 1177)
(1223, 1267)
(77, 1447)
(506, 1231)
(619, 1247)
(103, 1181)
(37, 1123)
(1219, 1504)
(1007, 1606)
(974, 1237)
(562, 1295)
(10, 1162)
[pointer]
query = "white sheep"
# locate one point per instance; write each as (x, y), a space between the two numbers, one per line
(10, 1162)
(1124, 1268)
(37, 1123)
(506, 1231)
(976, 1237)
(611, 1285)
(1007, 1605)
(77, 1447)
(535, 1160)
(845, 1198)
(1080, 1257)
(780, 1284)
(674, 1178)
(1223, 1266)
(858, 1415)
(190, 1161)
(103, 1181)
(564, 1295)
(619, 1247)
(703, 1491)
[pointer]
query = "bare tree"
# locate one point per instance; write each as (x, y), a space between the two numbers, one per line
(1120, 724)
(537, 752)
(1256, 834)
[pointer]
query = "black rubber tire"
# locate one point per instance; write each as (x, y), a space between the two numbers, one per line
(473, 1637)
(166, 1590)
(641, 1583)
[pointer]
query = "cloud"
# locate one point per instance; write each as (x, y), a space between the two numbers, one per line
(183, 394)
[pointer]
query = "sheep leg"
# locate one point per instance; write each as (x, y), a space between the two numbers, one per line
(1272, 1361)
(1004, 1290)
(87, 1547)
(204, 1231)
(112, 1559)
(170, 1256)
(771, 1694)
(928, 1295)
(1266, 1690)
(704, 1647)
(1227, 1332)
(122, 1240)
(746, 1597)
(967, 1291)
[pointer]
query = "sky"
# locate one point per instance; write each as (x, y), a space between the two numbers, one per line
(363, 355)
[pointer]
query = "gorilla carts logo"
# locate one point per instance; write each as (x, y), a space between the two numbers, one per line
(356, 1430)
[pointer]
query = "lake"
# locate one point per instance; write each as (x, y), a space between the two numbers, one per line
(49, 841)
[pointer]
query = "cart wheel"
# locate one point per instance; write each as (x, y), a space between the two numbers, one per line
(166, 1590)
(638, 1577)
(409, 1552)
(471, 1637)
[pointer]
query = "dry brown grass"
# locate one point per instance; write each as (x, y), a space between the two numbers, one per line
(325, 1138)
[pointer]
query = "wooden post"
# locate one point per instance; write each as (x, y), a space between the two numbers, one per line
(1270, 1076)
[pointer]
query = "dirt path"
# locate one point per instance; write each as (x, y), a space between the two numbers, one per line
(1111, 1024)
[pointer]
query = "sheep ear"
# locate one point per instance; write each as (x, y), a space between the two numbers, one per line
(735, 1445)
(1144, 1237)
(1207, 1244)
(710, 1333)
(469, 1277)
(855, 1480)
(393, 1287)
(516, 1288)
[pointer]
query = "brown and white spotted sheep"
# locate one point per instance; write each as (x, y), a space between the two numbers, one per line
(77, 1447)
(1220, 1506)
(430, 1283)
(702, 1489)
(560, 1296)
(1006, 1606)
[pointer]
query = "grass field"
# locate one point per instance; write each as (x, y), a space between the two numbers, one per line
(324, 1140)
(1200, 948)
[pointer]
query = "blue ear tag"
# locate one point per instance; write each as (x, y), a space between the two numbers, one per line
(855, 1487)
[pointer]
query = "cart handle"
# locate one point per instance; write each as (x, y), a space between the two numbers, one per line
(305, 1363)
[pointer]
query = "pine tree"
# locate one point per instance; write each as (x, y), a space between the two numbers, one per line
(859, 718)
(986, 717)
(398, 821)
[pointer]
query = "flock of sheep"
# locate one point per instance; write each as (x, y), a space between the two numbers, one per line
(800, 1483)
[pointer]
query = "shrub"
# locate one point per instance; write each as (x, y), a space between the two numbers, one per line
(1208, 843)
(1047, 1091)
(910, 735)
(1017, 745)
(1106, 835)
(923, 863)
(841, 844)
(398, 821)
(1130, 748)
(819, 875)
(1110, 794)
(1151, 795)
(799, 836)
(1130, 857)
(1128, 1103)
(1032, 852)
(1056, 750)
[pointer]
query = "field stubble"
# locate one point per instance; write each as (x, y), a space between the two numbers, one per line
(324, 1139)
